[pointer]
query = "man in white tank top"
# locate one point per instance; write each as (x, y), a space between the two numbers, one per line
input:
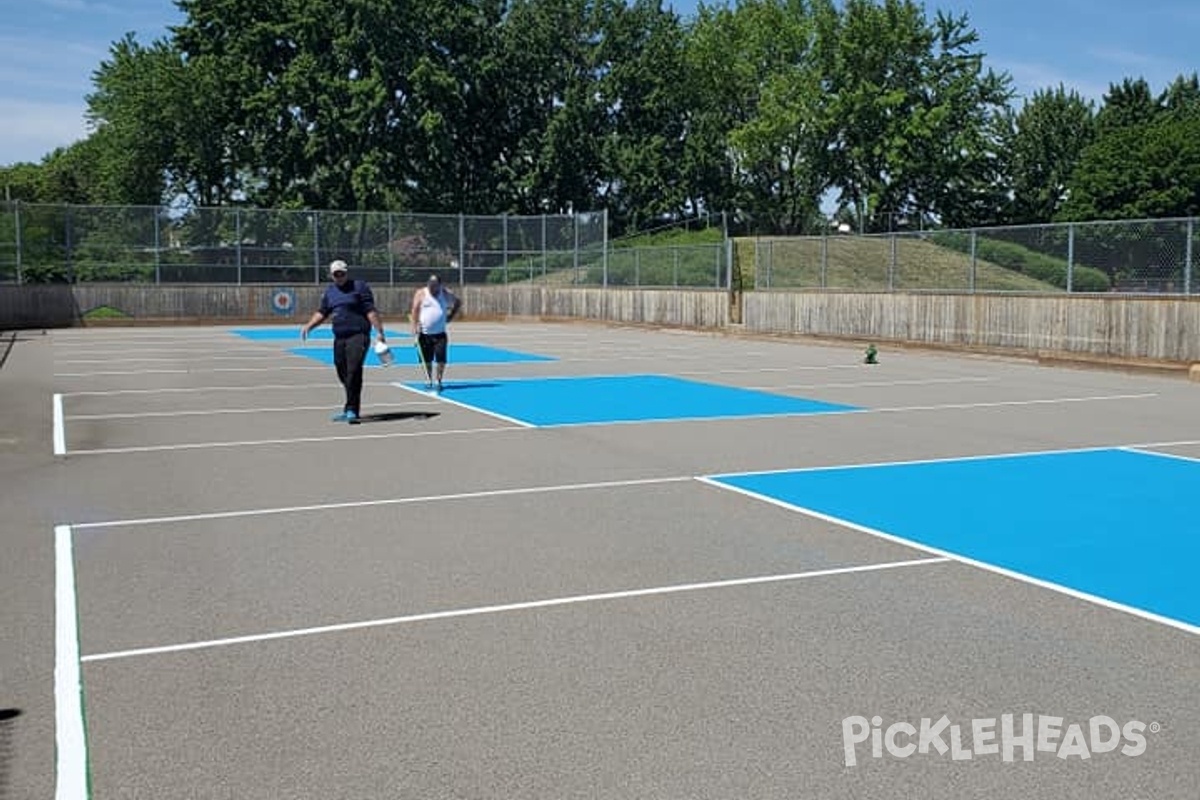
(433, 308)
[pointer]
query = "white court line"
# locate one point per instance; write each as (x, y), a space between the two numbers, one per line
(129, 373)
(1176, 456)
(926, 382)
(520, 425)
(444, 399)
(1002, 403)
(175, 359)
(950, 459)
(70, 735)
(202, 389)
(755, 370)
(1137, 612)
(509, 607)
(60, 428)
(157, 448)
(202, 412)
(393, 501)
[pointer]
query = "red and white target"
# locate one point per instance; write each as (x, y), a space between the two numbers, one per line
(283, 301)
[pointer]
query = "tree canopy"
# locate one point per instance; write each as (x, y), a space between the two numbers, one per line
(760, 108)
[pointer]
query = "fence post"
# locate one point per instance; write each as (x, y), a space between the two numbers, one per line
(237, 227)
(891, 261)
(575, 250)
(17, 233)
(462, 251)
(824, 260)
(971, 276)
(545, 255)
(504, 239)
(728, 263)
(1187, 256)
(158, 247)
(1070, 256)
(316, 248)
(604, 246)
(390, 250)
(69, 245)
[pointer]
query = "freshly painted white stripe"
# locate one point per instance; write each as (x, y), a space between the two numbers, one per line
(949, 459)
(201, 412)
(756, 370)
(394, 501)
(837, 412)
(1101, 601)
(156, 448)
(70, 736)
(1001, 403)
(190, 358)
(444, 399)
(1176, 456)
(928, 382)
(509, 607)
(202, 389)
(60, 429)
(129, 373)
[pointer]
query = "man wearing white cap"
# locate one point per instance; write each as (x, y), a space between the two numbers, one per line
(352, 306)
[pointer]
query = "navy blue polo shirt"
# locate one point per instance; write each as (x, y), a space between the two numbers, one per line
(349, 305)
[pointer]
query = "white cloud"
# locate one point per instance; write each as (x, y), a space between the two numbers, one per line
(32, 129)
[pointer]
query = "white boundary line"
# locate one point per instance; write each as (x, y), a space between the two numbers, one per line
(201, 412)
(1176, 456)
(923, 382)
(60, 428)
(1075, 593)
(392, 501)
(476, 409)
(526, 606)
(948, 459)
(203, 389)
(70, 734)
(158, 448)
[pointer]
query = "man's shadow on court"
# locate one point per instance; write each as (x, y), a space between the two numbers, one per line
(396, 416)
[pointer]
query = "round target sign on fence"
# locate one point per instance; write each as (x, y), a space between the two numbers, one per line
(283, 301)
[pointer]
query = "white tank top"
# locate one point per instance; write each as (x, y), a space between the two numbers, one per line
(433, 312)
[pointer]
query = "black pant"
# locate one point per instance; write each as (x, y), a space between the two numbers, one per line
(349, 355)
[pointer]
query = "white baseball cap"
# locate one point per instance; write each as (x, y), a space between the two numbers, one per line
(338, 266)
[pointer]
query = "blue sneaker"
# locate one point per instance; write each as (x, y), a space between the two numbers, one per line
(341, 417)
(351, 417)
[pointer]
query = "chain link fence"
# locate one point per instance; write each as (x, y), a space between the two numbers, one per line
(160, 245)
(1130, 256)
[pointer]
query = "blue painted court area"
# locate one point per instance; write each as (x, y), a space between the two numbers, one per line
(626, 398)
(1115, 524)
(292, 334)
(406, 353)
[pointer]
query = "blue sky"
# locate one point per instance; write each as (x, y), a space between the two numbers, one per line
(49, 49)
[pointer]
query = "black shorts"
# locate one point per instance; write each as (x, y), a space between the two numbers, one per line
(433, 347)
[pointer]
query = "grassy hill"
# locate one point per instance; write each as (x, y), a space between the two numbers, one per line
(694, 258)
(853, 262)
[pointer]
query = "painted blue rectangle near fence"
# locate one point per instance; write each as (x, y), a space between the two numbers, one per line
(554, 401)
(1114, 524)
(406, 353)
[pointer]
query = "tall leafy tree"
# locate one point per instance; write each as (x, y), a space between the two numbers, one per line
(1047, 137)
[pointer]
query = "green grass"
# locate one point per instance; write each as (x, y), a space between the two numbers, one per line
(863, 263)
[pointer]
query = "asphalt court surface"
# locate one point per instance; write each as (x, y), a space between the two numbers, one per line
(451, 600)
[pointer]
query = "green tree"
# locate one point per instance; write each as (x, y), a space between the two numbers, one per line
(1047, 138)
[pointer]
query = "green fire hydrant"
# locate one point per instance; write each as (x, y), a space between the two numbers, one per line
(871, 355)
